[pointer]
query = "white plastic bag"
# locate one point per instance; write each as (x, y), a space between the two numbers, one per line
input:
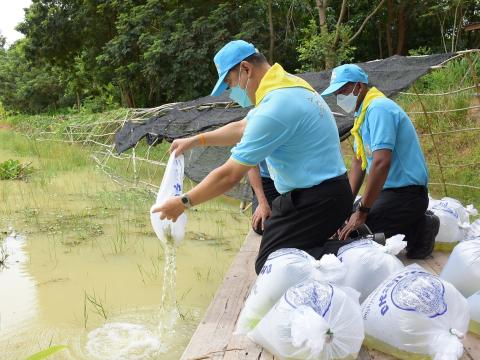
(474, 306)
(463, 267)
(454, 221)
(313, 320)
(172, 185)
(473, 232)
(369, 263)
(416, 313)
(283, 269)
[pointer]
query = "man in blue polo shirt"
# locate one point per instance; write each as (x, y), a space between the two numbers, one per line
(292, 128)
(387, 148)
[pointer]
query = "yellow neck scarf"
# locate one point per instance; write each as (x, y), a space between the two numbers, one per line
(277, 78)
(372, 94)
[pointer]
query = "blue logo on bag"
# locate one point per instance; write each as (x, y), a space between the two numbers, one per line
(356, 244)
(420, 292)
(178, 189)
(314, 294)
(288, 251)
(443, 206)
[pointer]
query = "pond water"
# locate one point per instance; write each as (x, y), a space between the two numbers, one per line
(82, 266)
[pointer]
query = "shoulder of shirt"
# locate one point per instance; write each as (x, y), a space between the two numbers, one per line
(383, 106)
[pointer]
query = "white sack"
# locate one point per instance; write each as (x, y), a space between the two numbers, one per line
(418, 313)
(454, 219)
(312, 320)
(369, 263)
(283, 269)
(474, 306)
(463, 267)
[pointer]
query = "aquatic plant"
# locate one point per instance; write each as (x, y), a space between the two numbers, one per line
(14, 170)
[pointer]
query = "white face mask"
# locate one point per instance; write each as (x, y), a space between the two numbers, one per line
(347, 102)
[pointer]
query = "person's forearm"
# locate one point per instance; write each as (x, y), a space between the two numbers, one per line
(356, 176)
(376, 179)
(216, 183)
(227, 135)
(256, 182)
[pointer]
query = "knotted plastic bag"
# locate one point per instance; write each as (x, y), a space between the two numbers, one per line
(369, 263)
(283, 269)
(414, 313)
(454, 221)
(172, 185)
(313, 320)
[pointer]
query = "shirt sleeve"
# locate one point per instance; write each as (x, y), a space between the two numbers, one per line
(382, 125)
(263, 134)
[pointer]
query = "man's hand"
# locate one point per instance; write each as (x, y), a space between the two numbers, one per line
(182, 145)
(262, 213)
(170, 209)
(358, 218)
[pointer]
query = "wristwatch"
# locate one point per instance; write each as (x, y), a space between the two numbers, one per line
(362, 208)
(186, 201)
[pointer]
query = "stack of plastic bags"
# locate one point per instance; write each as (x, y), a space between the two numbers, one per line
(413, 314)
(296, 310)
(454, 221)
(369, 263)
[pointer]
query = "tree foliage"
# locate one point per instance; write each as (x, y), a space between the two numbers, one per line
(97, 54)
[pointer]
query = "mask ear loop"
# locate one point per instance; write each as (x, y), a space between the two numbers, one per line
(248, 79)
(353, 90)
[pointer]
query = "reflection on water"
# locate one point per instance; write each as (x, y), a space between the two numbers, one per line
(89, 272)
(17, 288)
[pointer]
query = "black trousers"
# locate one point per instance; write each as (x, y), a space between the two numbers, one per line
(306, 218)
(401, 211)
(270, 193)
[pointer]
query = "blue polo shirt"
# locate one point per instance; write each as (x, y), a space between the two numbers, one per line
(387, 126)
(294, 130)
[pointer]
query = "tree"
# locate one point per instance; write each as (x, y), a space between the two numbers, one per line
(331, 44)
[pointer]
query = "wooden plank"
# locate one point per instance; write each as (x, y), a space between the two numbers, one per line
(212, 337)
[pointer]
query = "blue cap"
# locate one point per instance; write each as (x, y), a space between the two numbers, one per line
(344, 74)
(229, 56)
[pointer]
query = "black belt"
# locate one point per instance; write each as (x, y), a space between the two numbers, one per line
(343, 177)
(409, 188)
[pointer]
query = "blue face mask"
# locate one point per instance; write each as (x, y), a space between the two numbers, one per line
(240, 95)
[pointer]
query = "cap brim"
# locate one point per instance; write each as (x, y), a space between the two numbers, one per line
(220, 86)
(332, 88)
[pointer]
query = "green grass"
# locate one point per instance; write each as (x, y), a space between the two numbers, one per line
(459, 152)
(14, 170)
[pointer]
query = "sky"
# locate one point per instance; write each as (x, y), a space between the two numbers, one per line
(11, 13)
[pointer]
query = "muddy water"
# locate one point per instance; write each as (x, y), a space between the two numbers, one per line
(86, 270)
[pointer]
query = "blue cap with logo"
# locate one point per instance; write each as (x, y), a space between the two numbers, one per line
(229, 56)
(344, 74)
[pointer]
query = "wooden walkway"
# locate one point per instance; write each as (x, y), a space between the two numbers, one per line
(214, 337)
